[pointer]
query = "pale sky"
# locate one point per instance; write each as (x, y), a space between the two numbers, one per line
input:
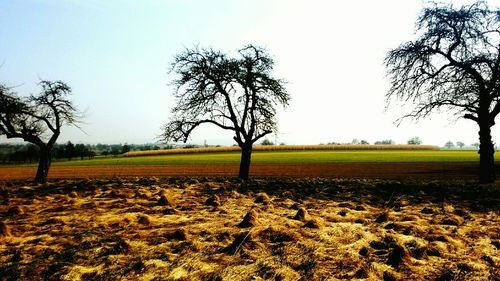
(115, 56)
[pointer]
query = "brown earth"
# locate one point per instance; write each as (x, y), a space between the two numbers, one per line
(445, 170)
(118, 229)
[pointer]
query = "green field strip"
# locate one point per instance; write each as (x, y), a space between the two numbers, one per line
(284, 157)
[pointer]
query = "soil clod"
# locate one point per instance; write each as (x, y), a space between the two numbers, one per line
(4, 229)
(359, 208)
(250, 219)
(360, 221)
(362, 273)
(213, 200)
(433, 251)
(455, 221)
(166, 200)
(488, 259)
(396, 255)
(263, 198)
(427, 210)
(301, 214)
(313, 223)
(364, 251)
(382, 217)
(377, 245)
(15, 211)
(144, 219)
(389, 276)
(240, 240)
(120, 247)
(180, 234)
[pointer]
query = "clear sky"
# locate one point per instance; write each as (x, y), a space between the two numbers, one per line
(115, 56)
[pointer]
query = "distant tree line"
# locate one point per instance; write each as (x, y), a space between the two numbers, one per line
(460, 145)
(28, 153)
(412, 141)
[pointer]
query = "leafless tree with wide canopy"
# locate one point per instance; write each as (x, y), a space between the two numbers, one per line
(38, 119)
(233, 93)
(453, 65)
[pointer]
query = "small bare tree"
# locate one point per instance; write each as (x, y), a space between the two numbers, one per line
(38, 118)
(415, 141)
(236, 94)
(454, 65)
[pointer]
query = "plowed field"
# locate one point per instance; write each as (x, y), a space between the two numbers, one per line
(420, 170)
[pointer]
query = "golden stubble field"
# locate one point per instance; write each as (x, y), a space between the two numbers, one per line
(264, 229)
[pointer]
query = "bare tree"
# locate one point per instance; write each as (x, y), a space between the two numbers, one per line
(449, 145)
(233, 93)
(38, 118)
(415, 141)
(453, 65)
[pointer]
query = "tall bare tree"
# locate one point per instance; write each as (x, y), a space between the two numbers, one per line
(453, 65)
(38, 119)
(233, 93)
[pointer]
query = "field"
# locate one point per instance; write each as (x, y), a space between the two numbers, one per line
(345, 164)
(287, 157)
(224, 229)
(323, 147)
(395, 215)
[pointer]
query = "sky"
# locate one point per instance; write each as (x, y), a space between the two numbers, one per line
(115, 55)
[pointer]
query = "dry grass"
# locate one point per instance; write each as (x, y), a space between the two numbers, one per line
(296, 229)
(281, 147)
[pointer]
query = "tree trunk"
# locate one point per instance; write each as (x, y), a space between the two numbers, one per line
(43, 165)
(246, 155)
(486, 155)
